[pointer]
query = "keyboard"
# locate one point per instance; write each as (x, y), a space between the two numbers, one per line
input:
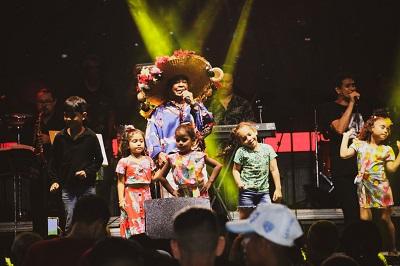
(264, 130)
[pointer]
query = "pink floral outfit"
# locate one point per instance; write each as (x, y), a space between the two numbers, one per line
(138, 176)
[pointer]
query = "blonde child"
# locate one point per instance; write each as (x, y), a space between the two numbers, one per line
(374, 159)
(252, 163)
(135, 173)
(187, 166)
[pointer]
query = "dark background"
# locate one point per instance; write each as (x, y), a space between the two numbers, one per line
(291, 52)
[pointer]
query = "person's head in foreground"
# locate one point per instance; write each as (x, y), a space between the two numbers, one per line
(196, 237)
(115, 251)
(21, 244)
(269, 234)
(339, 260)
(322, 241)
(90, 218)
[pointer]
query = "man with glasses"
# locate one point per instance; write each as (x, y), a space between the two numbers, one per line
(335, 118)
(47, 118)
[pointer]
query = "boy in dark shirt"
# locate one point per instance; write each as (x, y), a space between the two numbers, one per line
(76, 157)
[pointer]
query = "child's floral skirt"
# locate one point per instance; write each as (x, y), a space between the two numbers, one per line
(132, 219)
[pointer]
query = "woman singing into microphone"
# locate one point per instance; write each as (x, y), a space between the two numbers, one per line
(184, 81)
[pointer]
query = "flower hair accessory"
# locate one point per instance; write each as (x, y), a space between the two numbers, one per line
(153, 79)
(388, 121)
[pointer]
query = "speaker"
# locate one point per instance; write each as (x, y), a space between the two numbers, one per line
(160, 214)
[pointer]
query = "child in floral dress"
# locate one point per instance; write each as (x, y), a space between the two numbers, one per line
(374, 159)
(187, 166)
(135, 173)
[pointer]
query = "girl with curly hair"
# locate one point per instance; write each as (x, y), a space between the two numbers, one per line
(374, 160)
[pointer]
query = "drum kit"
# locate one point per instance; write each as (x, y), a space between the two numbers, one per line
(16, 161)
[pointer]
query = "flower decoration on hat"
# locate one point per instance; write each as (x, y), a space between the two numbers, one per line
(153, 79)
(388, 121)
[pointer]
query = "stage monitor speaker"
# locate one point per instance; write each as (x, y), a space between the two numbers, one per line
(160, 214)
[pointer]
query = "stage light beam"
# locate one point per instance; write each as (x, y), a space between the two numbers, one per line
(238, 36)
(225, 184)
(228, 185)
(202, 26)
(156, 39)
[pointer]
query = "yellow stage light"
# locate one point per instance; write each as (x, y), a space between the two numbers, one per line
(225, 183)
(156, 39)
(195, 38)
(238, 36)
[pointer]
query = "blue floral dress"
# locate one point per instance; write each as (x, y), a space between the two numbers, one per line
(161, 126)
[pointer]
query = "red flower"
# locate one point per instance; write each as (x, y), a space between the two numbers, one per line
(143, 79)
(217, 84)
(160, 61)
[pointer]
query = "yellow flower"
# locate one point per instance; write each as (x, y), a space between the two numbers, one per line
(388, 122)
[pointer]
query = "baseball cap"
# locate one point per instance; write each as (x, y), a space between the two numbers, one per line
(274, 222)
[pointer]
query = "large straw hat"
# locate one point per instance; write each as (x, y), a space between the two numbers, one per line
(153, 80)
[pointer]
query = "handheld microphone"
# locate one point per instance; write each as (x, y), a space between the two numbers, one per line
(187, 100)
(356, 99)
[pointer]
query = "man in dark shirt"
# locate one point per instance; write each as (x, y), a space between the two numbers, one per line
(76, 157)
(48, 117)
(227, 107)
(335, 118)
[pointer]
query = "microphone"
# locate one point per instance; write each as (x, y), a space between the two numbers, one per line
(356, 99)
(187, 100)
(259, 107)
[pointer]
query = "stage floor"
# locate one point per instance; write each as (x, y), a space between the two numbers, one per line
(305, 216)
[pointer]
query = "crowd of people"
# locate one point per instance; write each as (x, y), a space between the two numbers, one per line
(170, 155)
(271, 235)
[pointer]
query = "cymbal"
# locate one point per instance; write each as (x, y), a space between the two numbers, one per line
(17, 119)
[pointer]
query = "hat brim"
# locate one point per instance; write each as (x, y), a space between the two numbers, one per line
(192, 66)
(238, 227)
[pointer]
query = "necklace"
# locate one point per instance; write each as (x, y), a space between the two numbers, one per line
(179, 109)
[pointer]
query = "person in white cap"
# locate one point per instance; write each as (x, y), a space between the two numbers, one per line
(269, 232)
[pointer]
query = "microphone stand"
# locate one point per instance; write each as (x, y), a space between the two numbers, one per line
(319, 173)
(259, 107)
(316, 147)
